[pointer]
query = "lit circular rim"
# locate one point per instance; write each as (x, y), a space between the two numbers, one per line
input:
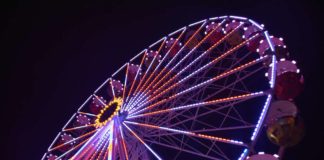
(119, 102)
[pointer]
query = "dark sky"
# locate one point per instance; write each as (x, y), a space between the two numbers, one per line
(56, 54)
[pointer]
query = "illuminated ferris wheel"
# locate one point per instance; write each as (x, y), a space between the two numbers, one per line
(209, 90)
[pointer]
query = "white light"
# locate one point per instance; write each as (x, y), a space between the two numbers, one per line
(269, 41)
(256, 24)
(163, 38)
(273, 71)
(197, 23)
(222, 17)
(298, 71)
(171, 34)
(243, 154)
(238, 17)
(261, 118)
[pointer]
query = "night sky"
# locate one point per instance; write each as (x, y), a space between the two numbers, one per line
(56, 54)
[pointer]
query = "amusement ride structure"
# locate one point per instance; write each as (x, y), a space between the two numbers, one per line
(220, 88)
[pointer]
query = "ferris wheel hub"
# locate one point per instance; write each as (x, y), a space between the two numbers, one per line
(108, 112)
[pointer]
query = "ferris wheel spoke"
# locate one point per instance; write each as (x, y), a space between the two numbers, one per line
(179, 64)
(158, 90)
(103, 150)
(88, 114)
(169, 64)
(164, 119)
(71, 141)
(139, 139)
(202, 84)
(89, 146)
(180, 145)
(93, 152)
(194, 72)
(191, 51)
(217, 111)
(136, 75)
(81, 143)
(192, 118)
(124, 147)
(214, 144)
(145, 88)
(216, 101)
(72, 149)
(106, 153)
(219, 90)
(183, 150)
(208, 81)
(172, 141)
(125, 84)
(135, 94)
(160, 93)
(104, 139)
(221, 87)
(211, 128)
(210, 148)
(90, 152)
(150, 66)
(99, 99)
(198, 58)
(232, 84)
(173, 58)
(79, 127)
(157, 67)
(219, 139)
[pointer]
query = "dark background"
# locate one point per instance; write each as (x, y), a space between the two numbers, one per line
(56, 54)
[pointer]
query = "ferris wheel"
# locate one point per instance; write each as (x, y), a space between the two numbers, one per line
(209, 90)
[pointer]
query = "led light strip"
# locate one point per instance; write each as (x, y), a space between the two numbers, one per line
(219, 139)
(176, 84)
(222, 100)
(261, 118)
(201, 84)
(153, 73)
